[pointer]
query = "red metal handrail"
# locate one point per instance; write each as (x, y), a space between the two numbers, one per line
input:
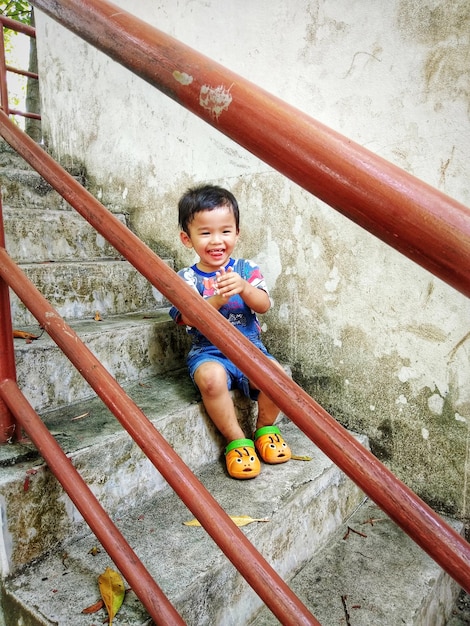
(411, 216)
(415, 517)
(25, 29)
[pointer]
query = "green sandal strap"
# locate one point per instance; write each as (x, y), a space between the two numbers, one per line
(267, 430)
(239, 443)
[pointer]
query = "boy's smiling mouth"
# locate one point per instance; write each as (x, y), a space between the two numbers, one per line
(218, 252)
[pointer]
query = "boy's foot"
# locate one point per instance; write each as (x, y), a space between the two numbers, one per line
(271, 446)
(241, 459)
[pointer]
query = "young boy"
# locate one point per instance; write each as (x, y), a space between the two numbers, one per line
(209, 221)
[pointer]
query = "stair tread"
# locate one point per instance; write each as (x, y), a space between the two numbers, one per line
(22, 187)
(87, 327)
(131, 347)
(66, 264)
(61, 588)
(371, 571)
(157, 397)
(14, 213)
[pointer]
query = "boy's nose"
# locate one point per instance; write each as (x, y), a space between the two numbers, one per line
(216, 238)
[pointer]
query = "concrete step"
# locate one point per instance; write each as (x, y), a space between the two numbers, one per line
(131, 347)
(9, 158)
(22, 187)
(42, 236)
(112, 465)
(26, 188)
(371, 572)
(78, 290)
(304, 501)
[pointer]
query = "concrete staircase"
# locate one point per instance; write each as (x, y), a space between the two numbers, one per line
(81, 275)
(346, 560)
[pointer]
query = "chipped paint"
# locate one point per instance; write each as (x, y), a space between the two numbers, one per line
(436, 404)
(332, 283)
(215, 99)
(182, 77)
(405, 374)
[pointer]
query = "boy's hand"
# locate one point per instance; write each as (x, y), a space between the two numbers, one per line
(229, 283)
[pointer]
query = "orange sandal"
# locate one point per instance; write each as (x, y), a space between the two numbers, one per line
(241, 459)
(271, 446)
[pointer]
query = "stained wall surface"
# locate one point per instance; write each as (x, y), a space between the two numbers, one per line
(377, 340)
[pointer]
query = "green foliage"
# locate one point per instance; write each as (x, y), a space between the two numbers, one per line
(18, 10)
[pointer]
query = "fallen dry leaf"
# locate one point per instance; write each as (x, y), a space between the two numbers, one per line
(112, 591)
(98, 317)
(80, 417)
(296, 457)
(23, 334)
(238, 520)
(94, 607)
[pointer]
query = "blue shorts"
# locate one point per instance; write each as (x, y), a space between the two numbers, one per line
(236, 379)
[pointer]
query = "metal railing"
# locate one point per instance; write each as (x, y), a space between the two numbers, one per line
(6, 22)
(300, 159)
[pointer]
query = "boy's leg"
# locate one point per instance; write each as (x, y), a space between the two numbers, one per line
(211, 379)
(267, 410)
(240, 456)
(268, 439)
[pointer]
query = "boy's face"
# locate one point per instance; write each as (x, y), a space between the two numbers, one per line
(213, 235)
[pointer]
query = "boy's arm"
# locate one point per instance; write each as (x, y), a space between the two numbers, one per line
(187, 275)
(216, 301)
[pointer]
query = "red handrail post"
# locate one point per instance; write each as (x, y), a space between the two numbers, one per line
(3, 73)
(8, 425)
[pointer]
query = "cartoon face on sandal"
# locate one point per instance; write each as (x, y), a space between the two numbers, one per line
(271, 446)
(242, 462)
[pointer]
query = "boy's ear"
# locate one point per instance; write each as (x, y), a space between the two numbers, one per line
(185, 239)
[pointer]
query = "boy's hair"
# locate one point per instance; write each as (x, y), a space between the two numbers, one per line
(205, 198)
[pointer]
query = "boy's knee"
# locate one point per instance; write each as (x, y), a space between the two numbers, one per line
(211, 378)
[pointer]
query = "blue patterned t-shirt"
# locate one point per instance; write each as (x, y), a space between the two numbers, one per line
(235, 311)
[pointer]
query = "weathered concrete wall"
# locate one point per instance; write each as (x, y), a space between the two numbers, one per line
(377, 340)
